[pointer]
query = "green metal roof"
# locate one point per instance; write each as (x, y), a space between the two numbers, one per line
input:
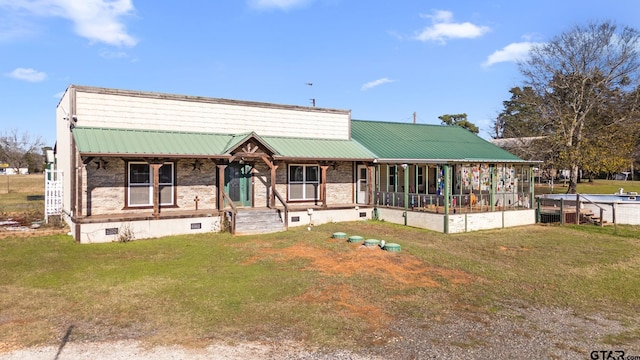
(327, 149)
(106, 141)
(239, 139)
(405, 141)
(385, 141)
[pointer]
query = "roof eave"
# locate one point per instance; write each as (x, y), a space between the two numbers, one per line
(155, 155)
(301, 158)
(453, 161)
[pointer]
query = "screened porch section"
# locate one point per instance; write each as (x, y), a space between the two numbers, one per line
(469, 187)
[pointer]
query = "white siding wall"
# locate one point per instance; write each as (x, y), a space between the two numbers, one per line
(175, 113)
(63, 149)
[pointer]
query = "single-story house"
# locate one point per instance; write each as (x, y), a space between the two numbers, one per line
(143, 164)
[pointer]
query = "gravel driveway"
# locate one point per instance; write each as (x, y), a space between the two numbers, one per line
(513, 332)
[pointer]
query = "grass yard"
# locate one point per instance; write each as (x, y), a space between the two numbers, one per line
(595, 187)
(21, 194)
(306, 286)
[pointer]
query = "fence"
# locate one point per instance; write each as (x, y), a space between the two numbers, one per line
(52, 193)
(558, 210)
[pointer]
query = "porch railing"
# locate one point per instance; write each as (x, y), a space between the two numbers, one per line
(476, 202)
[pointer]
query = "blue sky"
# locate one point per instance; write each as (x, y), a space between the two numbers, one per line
(383, 60)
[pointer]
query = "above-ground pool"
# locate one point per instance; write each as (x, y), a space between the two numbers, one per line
(596, 198)
(621, 208)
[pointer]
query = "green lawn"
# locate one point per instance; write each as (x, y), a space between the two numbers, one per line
(22, 195)
(304, 285)
(595, 187)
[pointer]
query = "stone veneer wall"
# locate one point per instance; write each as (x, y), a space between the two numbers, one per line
(105, 192)
(195, 178)
(339, 183)
(261, 184)
(103, 188)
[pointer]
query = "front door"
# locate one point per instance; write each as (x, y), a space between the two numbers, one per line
(237, 183)
(362, 185)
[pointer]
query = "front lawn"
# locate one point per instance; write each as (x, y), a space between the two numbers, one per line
(304, 285)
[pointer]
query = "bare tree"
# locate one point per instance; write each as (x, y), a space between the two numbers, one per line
(580, 74)
(21, 150)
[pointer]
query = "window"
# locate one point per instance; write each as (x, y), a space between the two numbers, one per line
(141, 184)
(392, 178)
(303, 182)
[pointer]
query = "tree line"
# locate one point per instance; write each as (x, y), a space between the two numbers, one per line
(578, 107)
(22, 150)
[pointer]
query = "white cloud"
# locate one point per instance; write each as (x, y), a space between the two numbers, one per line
(279, 4)
(443, 28)
(510, 53)
(375, 83)
(29, 75)
(96, 20)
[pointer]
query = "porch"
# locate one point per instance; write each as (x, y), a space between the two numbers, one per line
(455, 197)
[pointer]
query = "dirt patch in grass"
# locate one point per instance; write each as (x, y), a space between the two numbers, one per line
(393, 271)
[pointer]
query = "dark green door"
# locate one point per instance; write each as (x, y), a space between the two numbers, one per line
(237, 183)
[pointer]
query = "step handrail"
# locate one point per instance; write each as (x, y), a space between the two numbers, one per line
(234, 211)
(602, 210)
(286, 208)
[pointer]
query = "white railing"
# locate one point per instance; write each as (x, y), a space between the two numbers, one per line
(52, 193)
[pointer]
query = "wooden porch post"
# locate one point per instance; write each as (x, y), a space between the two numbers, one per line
(79, 173)
(323, 184)
(378, 180)
(220, 197)
(156, 189)
(370, 184)
(426, 179)
(272, 173)
(532, 186)
(447, 194)
(405, 174)
(416, 186)
(492, 188)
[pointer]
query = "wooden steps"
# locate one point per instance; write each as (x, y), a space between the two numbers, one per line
(258, 221)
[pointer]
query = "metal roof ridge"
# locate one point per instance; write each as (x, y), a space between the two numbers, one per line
(399, 123)
(149, 130)
(301, 138)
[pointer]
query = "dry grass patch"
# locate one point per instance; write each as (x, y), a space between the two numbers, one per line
(389, 270)
(393, 269)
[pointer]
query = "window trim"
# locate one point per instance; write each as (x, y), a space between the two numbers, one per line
(128, 186)
(304, 182)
